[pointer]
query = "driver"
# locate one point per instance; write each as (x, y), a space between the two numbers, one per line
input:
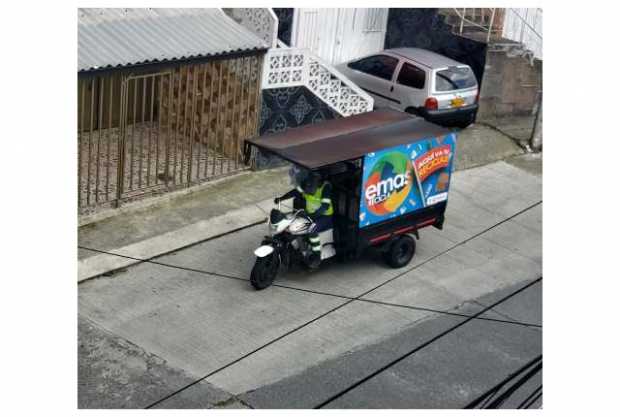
(315, 196)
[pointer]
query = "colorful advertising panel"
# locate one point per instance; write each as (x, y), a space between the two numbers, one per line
(406, 178)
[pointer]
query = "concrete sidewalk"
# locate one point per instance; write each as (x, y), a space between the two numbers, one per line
(226, 200)
(188, 331)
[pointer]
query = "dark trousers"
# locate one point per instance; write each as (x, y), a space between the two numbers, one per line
(322, 223)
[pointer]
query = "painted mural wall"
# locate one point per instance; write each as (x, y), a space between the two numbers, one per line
(285, 108)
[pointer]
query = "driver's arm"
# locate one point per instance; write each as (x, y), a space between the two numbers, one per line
(291, 194)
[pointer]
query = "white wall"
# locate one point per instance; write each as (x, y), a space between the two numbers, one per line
(515, 29)
(337, 35)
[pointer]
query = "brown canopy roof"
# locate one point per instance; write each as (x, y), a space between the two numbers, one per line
(343, 139)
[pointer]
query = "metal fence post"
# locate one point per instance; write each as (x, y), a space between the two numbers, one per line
(536, 138)
(120, 172)
(491, 24)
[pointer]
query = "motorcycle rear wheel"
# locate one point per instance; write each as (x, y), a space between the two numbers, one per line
(265, 271)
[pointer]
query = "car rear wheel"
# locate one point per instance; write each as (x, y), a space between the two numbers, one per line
(400, 252)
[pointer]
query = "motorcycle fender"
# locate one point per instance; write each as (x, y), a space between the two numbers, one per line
(263, 251)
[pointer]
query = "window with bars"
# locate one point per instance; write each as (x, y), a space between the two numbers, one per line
(375, 20)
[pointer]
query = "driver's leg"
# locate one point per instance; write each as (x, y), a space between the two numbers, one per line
(321, 223)
(315, 242)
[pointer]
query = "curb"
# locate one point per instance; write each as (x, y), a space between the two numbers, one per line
(519, 142)
(135, 253)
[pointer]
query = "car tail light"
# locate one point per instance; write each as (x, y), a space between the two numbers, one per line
(477, 95)
(431, 103)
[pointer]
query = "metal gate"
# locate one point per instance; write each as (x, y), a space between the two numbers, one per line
(143, 138)
(156, 132)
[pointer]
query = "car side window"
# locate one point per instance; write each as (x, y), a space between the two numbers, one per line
(411, 76)
(381, 66)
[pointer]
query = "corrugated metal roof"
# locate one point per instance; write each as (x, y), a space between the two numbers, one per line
(318, 145)
(121, 37)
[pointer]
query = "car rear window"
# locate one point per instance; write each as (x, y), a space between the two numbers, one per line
(381, 66)
(454, 78)
(411, 76)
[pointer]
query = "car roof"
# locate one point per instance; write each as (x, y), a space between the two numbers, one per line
(425, 57)
(347, 138)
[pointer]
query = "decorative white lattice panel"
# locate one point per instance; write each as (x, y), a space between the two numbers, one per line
(283, 68)
(335, 89)
(292, 67)
(261, 21)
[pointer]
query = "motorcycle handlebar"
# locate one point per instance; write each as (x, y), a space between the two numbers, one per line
(300, 212)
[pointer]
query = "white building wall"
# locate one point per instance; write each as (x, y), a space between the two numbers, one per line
(337, 35)
(516, 29)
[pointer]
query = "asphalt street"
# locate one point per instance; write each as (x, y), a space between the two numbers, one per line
(455, 326)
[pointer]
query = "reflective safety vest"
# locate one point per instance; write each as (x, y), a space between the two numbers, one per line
(314, 201)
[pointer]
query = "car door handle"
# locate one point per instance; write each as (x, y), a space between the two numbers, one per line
(391, 89)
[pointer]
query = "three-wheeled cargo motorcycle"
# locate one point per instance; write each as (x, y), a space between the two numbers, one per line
(389, 174)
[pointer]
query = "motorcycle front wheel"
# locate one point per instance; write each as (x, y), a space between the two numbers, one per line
(265, 271)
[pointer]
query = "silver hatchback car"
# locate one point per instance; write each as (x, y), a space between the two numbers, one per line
(418, 81)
